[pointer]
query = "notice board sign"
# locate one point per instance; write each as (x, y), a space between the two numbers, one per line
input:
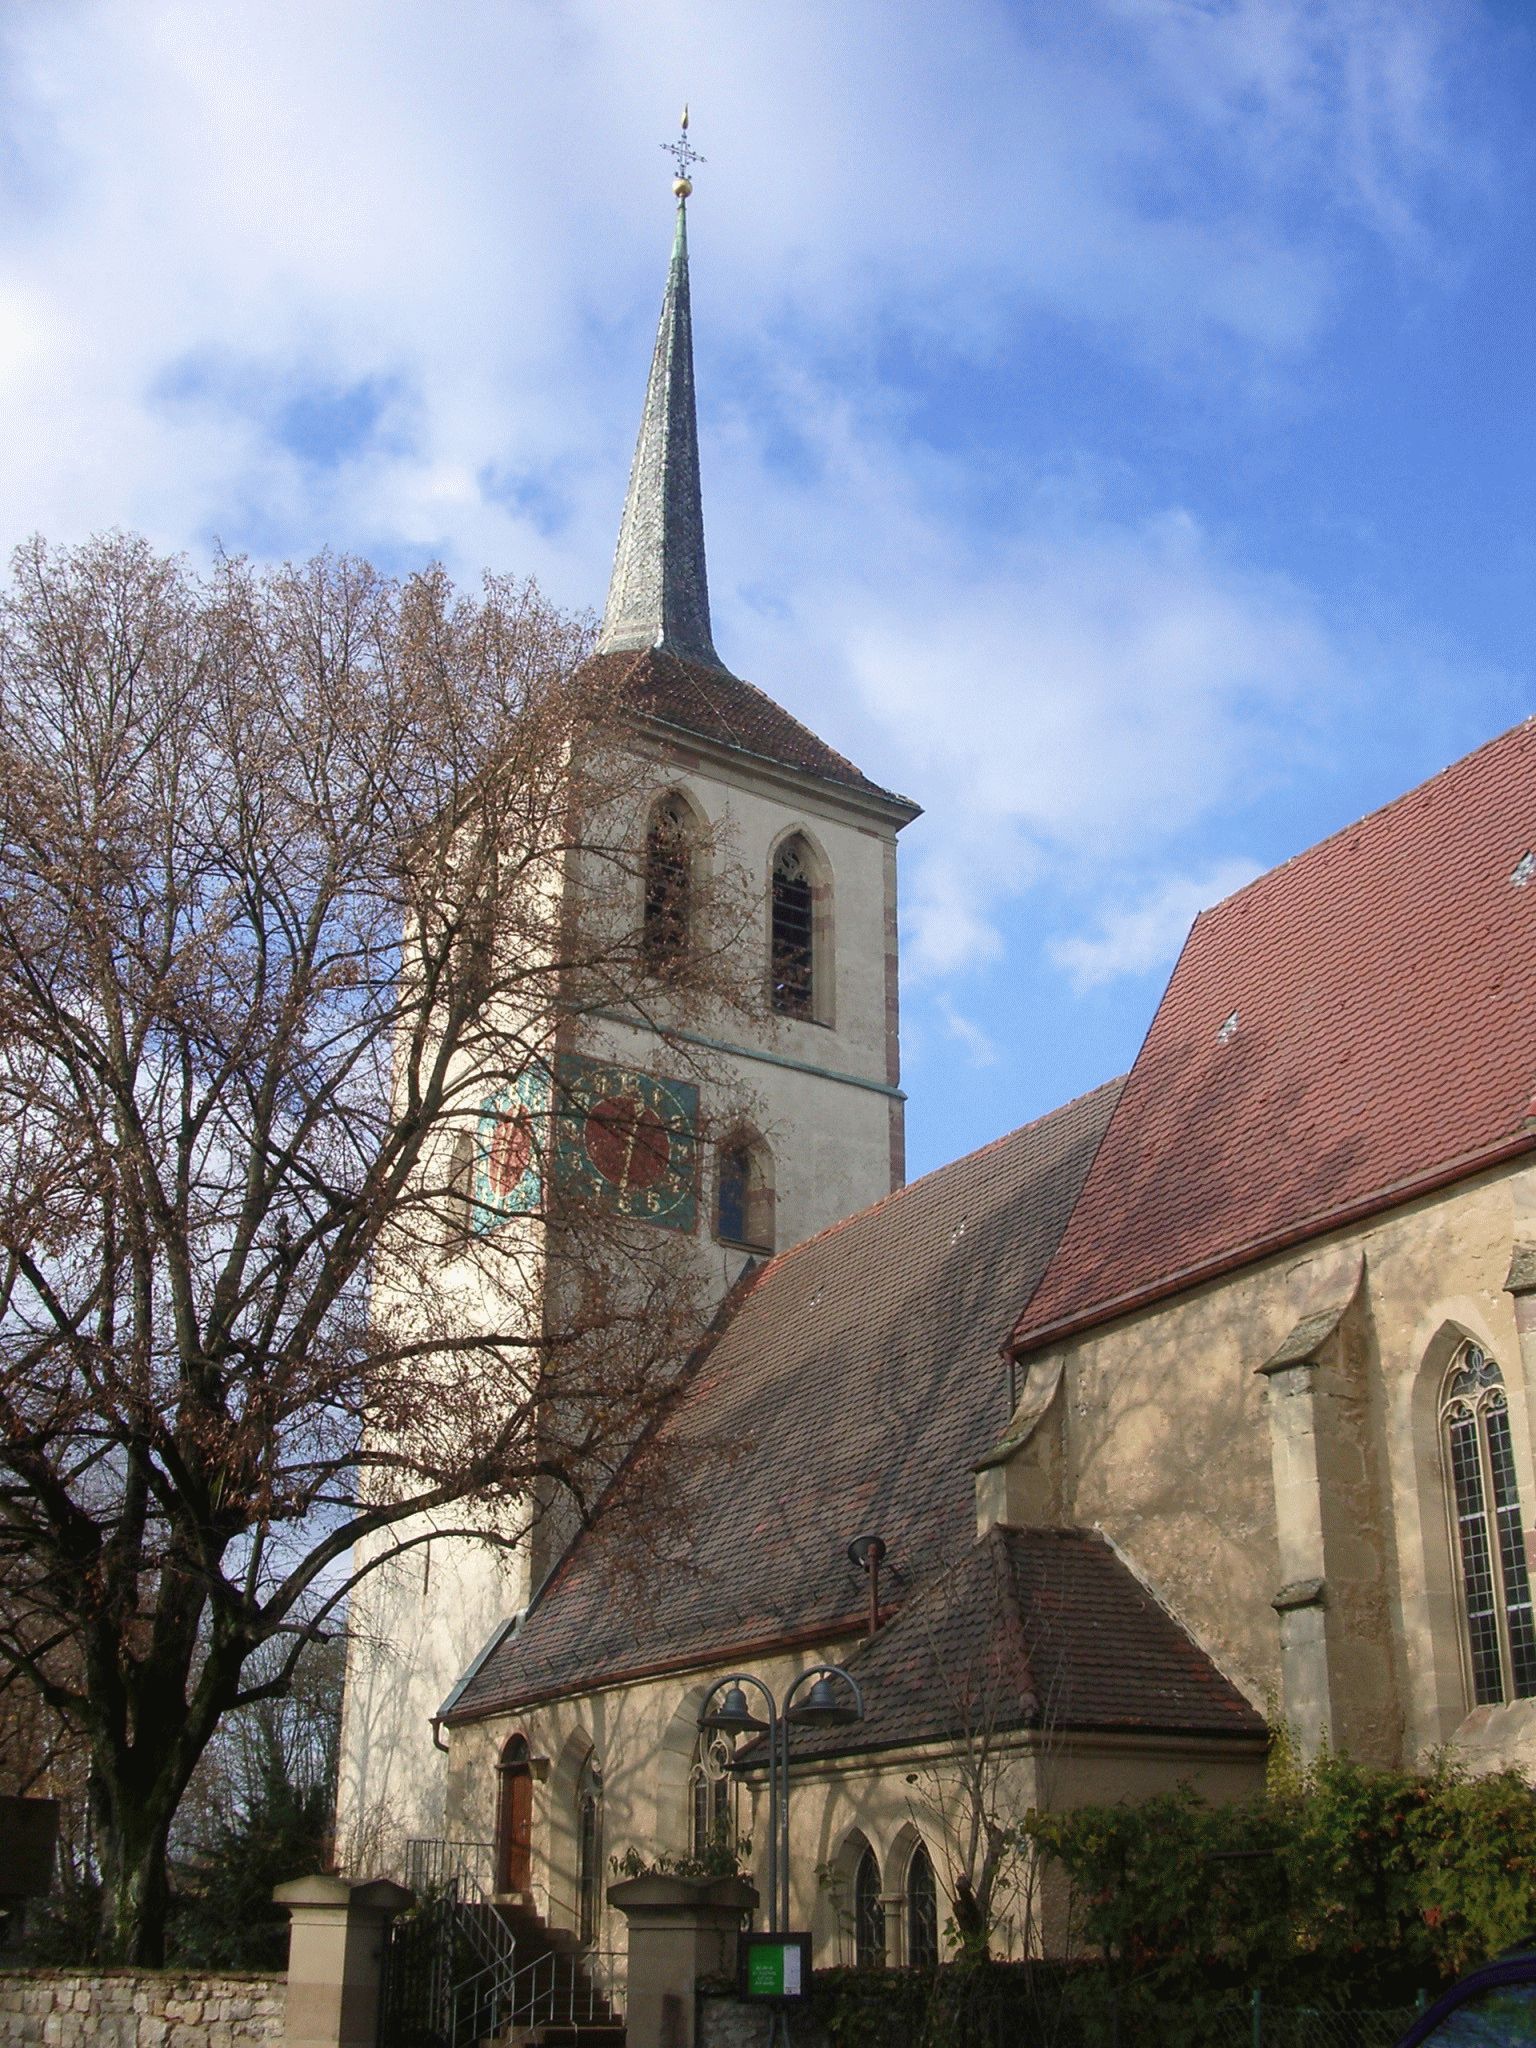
(775, 1965)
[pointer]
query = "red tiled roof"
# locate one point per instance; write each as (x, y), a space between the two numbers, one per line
(1035, 1628)
(721, 707)
(1383, 987)
(854, 1388)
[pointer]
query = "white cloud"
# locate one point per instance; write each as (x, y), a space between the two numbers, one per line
(447, 225)
(1138, 937)
(980, 1047)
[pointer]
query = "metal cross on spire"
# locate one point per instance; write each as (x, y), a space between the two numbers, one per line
(684, 156)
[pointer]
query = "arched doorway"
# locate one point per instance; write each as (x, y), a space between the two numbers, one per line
(514, 1817)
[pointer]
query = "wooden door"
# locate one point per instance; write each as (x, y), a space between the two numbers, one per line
(514, 1819)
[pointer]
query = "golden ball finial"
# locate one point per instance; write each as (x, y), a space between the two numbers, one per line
(683, 187)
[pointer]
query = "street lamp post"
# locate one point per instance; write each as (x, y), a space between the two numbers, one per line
(822, 1707)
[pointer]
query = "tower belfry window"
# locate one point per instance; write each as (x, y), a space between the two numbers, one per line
(1490, 1539)
(669, 852)
(793, 964)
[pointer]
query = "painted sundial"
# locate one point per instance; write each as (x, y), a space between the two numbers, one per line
(507, 1177)
(628, 1140)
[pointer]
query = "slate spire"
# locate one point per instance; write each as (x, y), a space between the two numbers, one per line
(659, 595)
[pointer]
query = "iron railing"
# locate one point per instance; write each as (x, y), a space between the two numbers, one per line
(452, 1978)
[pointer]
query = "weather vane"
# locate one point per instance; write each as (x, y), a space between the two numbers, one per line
(685, 156)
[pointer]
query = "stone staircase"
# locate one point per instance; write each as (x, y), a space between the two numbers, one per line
(558, 1995)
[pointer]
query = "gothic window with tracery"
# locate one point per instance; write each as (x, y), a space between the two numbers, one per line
(922, 1912)
(710, 1802)
(589, 1848)
(667, 930)
(868, 1914)
(1490, 1539)
(793, 966)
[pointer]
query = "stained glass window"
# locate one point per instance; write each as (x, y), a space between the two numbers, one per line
(1490, 1538)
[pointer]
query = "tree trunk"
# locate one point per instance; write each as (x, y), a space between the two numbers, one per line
(135, 1892)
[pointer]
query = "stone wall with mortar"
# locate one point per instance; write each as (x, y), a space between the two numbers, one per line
(139, 2009)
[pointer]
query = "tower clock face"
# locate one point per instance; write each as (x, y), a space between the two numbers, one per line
(507, 1177)
(628, 1140)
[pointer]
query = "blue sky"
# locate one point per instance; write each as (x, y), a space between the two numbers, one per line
(1117, 419)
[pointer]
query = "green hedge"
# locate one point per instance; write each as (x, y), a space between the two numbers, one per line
(1339, 1883)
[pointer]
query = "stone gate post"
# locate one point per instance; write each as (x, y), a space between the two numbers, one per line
(680, 1929)
(336, 1936)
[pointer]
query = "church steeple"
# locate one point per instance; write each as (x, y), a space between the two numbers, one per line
(659, 594)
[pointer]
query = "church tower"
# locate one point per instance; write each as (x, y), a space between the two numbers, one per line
(799, 1094)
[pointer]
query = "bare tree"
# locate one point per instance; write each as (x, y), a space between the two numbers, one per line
(307, 880)
(994, 1670)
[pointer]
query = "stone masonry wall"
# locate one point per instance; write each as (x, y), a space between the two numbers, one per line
(139, 2009)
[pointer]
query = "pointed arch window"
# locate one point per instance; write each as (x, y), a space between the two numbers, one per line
(1489, 1536)
(670, 851)
(711, 1813)
(744, 1198)
(589, 1849)
(922, 1912)
(796, 983)
(868, 1914)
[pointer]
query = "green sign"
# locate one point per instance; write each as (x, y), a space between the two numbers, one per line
(776, 1965)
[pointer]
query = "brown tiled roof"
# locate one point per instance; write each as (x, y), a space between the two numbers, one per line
(854, 1388)
(1035, 1628)
(720, 707)
(1353, 1028)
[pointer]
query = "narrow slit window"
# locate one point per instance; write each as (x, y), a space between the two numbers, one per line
(794, 932)
(589, 1851)
(922, 1913)
(1489, 1535)
(868, 1914)
(461, 1191)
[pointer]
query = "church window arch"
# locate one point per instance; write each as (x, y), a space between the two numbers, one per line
(589, 1849)
(744, 1194)
(868, 1913)
(922, 1912)
(671, 883)
(711, 1796)
(1488, 1539)
(800, 917)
